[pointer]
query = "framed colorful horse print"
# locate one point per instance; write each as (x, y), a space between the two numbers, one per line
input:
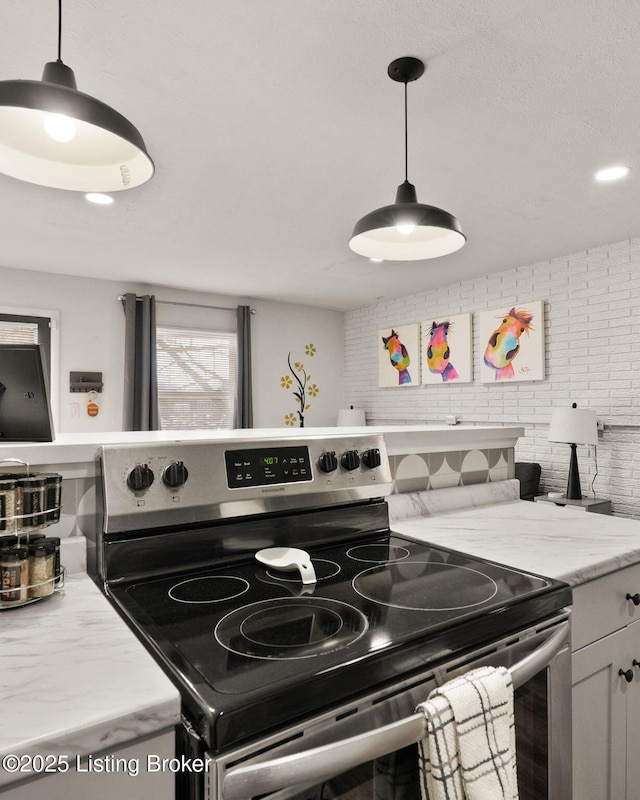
(399, 356)
(446, 349)
(512, 342)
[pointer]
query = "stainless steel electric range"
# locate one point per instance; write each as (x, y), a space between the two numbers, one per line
(262, 575)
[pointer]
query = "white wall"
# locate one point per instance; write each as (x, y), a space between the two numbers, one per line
(92, 339)
(279, 329)
(592, 338)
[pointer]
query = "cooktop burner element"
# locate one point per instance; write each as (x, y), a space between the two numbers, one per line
(290, 628)
(280, 634)
(375, 553)
(425, 586)
(208, 589)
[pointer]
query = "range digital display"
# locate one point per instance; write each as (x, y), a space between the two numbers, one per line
(265, 466)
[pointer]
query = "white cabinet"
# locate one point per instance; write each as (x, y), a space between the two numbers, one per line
(606, 706)
(128, 776)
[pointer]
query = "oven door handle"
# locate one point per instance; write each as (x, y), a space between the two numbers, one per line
(321, 763)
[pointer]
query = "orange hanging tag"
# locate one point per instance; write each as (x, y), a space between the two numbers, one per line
(93, 409)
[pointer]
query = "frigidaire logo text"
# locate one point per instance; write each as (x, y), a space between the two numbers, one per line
(273, 489)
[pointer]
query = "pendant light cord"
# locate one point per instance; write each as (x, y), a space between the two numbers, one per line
(406, 136)
(60, 32)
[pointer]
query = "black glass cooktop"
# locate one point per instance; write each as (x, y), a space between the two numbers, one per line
(247, 639)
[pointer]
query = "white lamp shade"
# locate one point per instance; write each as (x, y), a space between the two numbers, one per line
(573, 426)
(351, 417)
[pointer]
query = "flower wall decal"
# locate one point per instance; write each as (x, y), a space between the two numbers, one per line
(300, 376)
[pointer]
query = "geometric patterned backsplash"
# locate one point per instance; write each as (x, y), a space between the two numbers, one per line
(420, 471)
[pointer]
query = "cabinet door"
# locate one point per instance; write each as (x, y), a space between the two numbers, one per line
(600, 718)
(601, 607)
(633, 714)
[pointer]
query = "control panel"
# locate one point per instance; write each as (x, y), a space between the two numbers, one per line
(166, 483)
(265, 466)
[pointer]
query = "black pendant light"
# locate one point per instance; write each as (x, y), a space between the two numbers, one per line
(53, 135)
(406, 230)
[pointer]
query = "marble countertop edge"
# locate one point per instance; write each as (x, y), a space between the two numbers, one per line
(82, 741)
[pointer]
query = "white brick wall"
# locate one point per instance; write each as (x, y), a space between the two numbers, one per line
(592, 341)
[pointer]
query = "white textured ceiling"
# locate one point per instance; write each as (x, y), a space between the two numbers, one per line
(274, 127)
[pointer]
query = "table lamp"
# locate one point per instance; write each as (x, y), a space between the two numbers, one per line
(350, 417)
(573, 426)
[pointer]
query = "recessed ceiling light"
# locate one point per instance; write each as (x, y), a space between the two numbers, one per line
(99, 199)
(612, 174)
(376, 260)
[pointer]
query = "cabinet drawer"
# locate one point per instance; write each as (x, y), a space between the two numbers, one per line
(601, 606)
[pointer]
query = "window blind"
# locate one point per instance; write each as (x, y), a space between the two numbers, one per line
(18, 332)
(196, 377)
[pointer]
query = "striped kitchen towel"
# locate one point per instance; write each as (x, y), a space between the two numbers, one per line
(469, 752)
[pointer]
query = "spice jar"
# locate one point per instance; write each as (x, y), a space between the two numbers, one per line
(52, 496)
(8, 508)
(41, 565)
(57, 568)
(32, 501)
(14, 575)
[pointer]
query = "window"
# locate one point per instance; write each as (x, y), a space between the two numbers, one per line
(196, 377)
(19, 329)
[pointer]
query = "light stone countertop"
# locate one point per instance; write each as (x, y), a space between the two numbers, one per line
(74, 680)
(554, 541)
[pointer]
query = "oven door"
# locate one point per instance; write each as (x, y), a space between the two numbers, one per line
(367, 748)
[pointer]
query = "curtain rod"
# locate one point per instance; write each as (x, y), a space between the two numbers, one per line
(192, 305)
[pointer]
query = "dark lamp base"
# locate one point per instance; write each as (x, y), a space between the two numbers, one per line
(573, 484)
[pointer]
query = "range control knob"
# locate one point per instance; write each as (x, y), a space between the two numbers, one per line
(175, 475)
(350, 460)
(328, 461)
(371, 458)
(140, 478)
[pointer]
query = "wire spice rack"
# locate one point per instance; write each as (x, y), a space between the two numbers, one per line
(30, 567)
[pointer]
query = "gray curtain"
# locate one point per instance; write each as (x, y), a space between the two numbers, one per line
(244, 401)
(140, 370)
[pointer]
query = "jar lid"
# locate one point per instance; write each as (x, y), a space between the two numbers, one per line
(8, 539)
(7, 483)
(15, 553)
(55, 540)
(50, 477)
(31, 480)
(42, 548)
